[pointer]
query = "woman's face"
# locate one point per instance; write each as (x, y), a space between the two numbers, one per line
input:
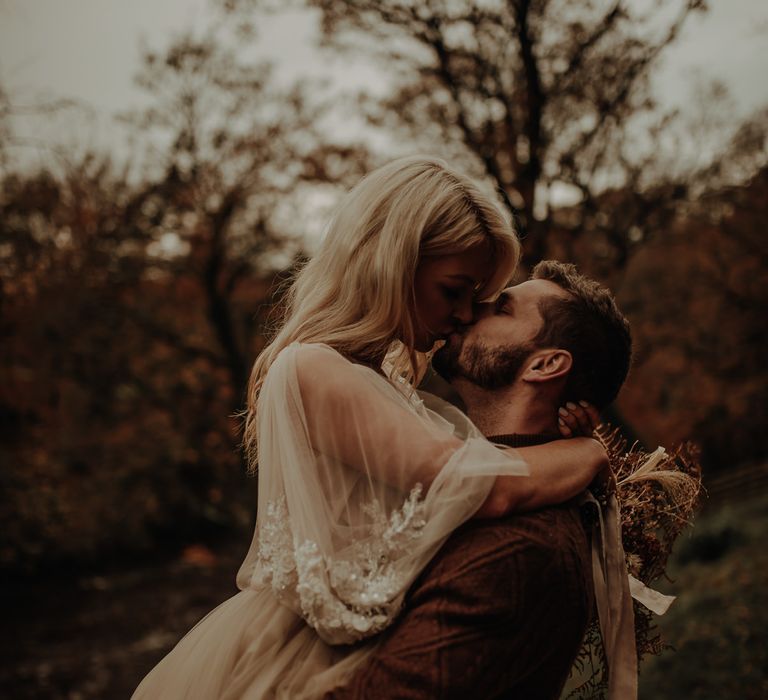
(445, 289)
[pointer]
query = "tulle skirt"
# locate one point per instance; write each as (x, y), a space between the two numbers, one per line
(251, 647)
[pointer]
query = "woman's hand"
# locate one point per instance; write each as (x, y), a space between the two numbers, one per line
(577, 420)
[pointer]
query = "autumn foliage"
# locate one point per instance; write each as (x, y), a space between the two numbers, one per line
(134, 301)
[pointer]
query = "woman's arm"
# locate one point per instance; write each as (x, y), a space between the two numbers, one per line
(559, 470)
(347, 419)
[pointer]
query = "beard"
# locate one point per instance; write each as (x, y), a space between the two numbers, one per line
(488, 368)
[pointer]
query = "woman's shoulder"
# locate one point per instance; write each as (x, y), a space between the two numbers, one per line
(312, 355)
(310, 363)
(320, 369)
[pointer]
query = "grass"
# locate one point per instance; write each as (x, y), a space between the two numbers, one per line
(718, 626)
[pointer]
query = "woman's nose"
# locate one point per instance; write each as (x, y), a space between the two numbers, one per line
(464, 313)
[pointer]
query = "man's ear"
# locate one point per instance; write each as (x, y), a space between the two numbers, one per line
(547, 365)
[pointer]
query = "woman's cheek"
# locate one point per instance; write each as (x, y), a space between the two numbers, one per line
(439, 310)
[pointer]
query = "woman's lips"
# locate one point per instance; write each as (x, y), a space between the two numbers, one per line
(455, 338)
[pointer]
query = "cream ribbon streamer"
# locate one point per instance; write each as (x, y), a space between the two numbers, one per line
(614, 590)
(653, 600)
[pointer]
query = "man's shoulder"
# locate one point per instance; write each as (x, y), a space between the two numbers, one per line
(495, 566)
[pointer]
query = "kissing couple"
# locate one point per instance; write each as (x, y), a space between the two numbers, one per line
(408, 546)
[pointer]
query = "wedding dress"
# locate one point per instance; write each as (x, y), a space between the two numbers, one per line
(361, 480)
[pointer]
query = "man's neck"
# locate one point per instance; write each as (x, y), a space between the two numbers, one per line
(516, 409)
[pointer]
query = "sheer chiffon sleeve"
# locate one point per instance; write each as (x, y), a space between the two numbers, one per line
(360, 482)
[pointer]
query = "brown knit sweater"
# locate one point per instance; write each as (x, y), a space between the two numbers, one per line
(499, 612)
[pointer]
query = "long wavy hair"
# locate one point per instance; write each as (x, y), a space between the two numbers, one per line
(357, 293)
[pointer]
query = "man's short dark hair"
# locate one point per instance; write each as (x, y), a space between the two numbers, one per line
(590, 326)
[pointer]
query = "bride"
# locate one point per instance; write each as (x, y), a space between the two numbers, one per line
(360, 481)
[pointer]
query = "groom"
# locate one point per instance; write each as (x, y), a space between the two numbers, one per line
(501, 610)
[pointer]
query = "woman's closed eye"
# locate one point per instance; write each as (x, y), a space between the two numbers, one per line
(453, 294)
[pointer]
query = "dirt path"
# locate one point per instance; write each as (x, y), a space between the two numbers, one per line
(97, 635)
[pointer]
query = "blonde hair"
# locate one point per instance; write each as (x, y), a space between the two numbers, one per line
(356, 294)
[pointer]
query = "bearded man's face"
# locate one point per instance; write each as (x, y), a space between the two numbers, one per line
(492, 352)
(486, 367)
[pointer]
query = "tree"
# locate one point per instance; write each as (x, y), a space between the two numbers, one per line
(232, 148)
(696, 300)
(132, 306)
(540, 96)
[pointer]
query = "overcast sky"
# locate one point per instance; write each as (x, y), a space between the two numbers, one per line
(90, 49)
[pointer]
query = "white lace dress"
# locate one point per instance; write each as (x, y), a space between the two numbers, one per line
(359, 485)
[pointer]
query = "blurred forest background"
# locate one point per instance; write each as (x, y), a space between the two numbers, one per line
(136, 291)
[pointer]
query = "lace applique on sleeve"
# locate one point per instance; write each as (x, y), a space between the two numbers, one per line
(347, 598)
(275, 563)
